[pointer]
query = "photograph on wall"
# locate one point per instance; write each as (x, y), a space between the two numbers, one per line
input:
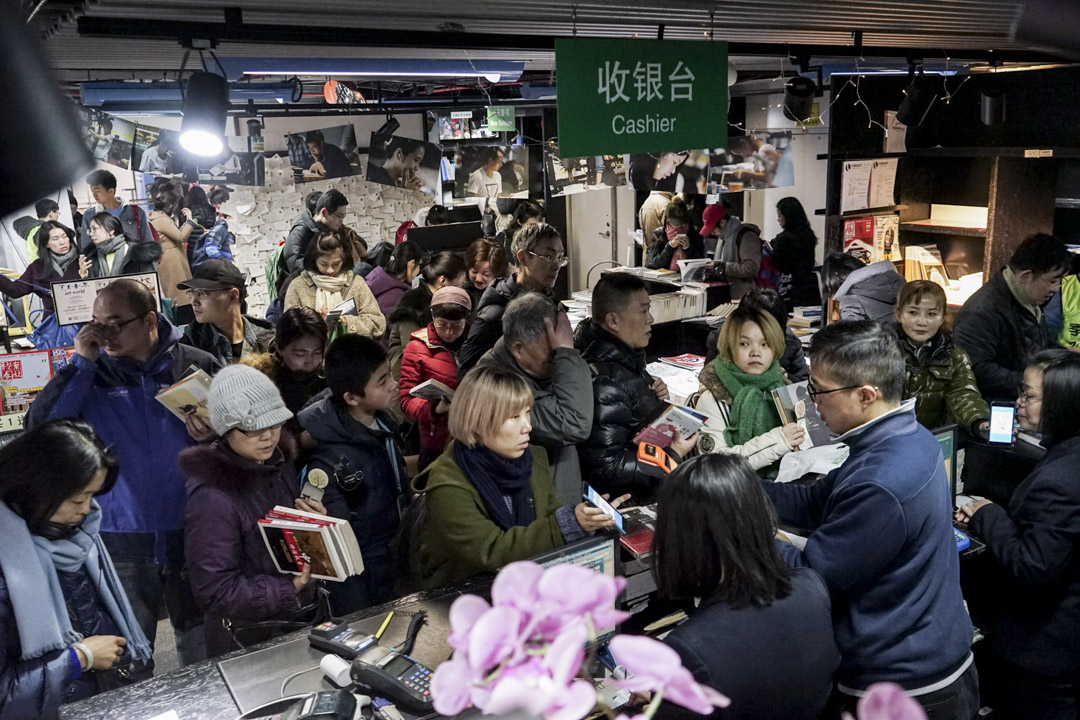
(887, 237)
(464, 128)
(753, 162)
(157, 151)
(491, 171)
(324, 153)
(566, 176)
(109, 138)
(233, 166)
(685, 172)
(404, 162)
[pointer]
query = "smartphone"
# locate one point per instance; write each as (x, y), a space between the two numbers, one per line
(594, 497)
(1002, 416)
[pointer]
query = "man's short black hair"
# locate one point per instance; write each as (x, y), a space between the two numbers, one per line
(44, 207)
(614, 293)
(101, 178)
(407, 145)
(766, 299)
(315, 136)
(1041, 253)
(350, 363)
(436, 216)
(218, 196)
(490, 154)
(860, 352)
(330, 201)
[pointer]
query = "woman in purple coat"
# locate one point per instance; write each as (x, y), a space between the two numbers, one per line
(390, 283)
(231, 485)
(58, 259)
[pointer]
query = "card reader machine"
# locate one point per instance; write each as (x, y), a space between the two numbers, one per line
(398, 677)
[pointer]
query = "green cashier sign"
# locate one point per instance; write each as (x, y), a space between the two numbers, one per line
(635, 96)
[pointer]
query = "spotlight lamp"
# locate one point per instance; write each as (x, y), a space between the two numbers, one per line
(919, 97)
(206, 104)
(799, 98)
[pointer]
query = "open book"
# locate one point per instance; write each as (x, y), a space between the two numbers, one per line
(188, 396)
(432, 390)
(661, 431)
(794, 405)
(691, 270)
(346, 308)
(296, 538)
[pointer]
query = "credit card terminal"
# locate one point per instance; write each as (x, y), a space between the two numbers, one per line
(338, 638)
(653, 455)
(389, 674)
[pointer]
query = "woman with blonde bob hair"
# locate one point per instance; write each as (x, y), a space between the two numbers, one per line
(490, 498)
(736, 393)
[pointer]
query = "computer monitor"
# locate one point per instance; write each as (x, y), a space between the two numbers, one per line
(946, 437)
(463, 213)
(454, 237)
(600, 554)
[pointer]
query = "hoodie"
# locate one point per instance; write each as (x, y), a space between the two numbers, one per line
(870, 293)
(234, 576)
(116, 396)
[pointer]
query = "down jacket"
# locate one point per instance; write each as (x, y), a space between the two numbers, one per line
(487, 321)
(870, 292)
(714, 402)
(623, 403)
(1000, 336)
(231, 573)
(660, 250)
(368, 320)
(412, 312)
(258, 335)
(940, 378)
(427, 358)
(116, 396)
(141, 257)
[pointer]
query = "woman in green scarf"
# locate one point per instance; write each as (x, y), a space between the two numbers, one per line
(736, 393)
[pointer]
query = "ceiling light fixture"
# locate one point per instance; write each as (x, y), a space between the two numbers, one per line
(206, 103)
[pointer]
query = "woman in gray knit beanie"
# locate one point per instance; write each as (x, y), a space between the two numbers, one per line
(231, 485)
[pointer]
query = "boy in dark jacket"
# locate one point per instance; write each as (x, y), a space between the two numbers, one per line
(359, 456)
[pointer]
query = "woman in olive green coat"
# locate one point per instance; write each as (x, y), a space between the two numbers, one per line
(939, 374)
(490, 498)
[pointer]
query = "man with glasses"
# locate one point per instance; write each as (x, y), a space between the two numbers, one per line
(143, 515)
(1002, 326)
(880, 530)
(538, 346)
(540, 254)
(328, 216)
(221, 328)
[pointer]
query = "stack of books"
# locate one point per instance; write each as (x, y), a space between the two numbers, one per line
(296, 538)
(805, 316)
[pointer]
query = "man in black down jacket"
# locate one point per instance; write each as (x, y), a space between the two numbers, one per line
(327, 216)
(625, 396)
(1001, 326)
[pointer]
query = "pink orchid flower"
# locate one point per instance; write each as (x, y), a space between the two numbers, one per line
(655, 666)
(464, 613)
(495, 637)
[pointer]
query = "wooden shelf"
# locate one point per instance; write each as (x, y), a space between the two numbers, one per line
(945, 152)
(927, 227)
(874, 210)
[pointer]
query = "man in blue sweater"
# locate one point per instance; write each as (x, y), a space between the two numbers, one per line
(881, 531)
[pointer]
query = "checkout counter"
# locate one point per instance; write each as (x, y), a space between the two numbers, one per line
(231, 685)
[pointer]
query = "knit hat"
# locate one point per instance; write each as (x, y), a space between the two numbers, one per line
(242, 397)
(712, 215)
(450, 295)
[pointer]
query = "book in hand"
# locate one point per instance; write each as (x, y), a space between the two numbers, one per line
(674, 418)
(346, 308)
(188, 396)
(794, 405)
(432, 390)
(296, 538)
(640, 527)
(686, 361)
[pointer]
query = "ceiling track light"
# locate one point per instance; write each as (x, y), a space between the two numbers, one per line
(919, 97)
(206, 103)
(992, 100)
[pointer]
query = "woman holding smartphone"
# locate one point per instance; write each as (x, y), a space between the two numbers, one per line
(674, 241)
(1034, 543)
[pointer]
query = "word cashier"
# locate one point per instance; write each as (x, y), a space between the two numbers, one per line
(622, 125)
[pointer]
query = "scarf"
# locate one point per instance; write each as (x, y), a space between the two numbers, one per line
(497, 478)
(328, 290)
(679, 254)
(725, 249)
(1018, 292)
(29, 564)
(60, 263)
(116, 244)
(753, 412)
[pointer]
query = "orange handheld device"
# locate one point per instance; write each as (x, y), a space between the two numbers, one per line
(652, 455)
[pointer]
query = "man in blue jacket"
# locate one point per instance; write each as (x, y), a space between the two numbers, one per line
(142, 516)
(881, 531)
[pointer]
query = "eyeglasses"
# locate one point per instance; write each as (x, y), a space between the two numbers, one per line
(114, 328)
(262, 431)
(558, 261)
(1022, 395)
(203, 294)
(814, 392)
(449, 324)
(338, 215)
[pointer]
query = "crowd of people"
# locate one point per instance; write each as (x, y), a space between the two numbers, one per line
(123, 509)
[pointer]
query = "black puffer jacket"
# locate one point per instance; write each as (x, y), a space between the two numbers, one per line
(1000, 336)
(364, 489)
(623, 402)
(661, 252)
(412, 312)
(486, 326)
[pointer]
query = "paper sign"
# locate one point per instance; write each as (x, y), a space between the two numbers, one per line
(74, 300)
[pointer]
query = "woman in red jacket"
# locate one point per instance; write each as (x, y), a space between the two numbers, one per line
(432, 355)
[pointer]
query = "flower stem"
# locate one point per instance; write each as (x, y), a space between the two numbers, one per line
(654, 704)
